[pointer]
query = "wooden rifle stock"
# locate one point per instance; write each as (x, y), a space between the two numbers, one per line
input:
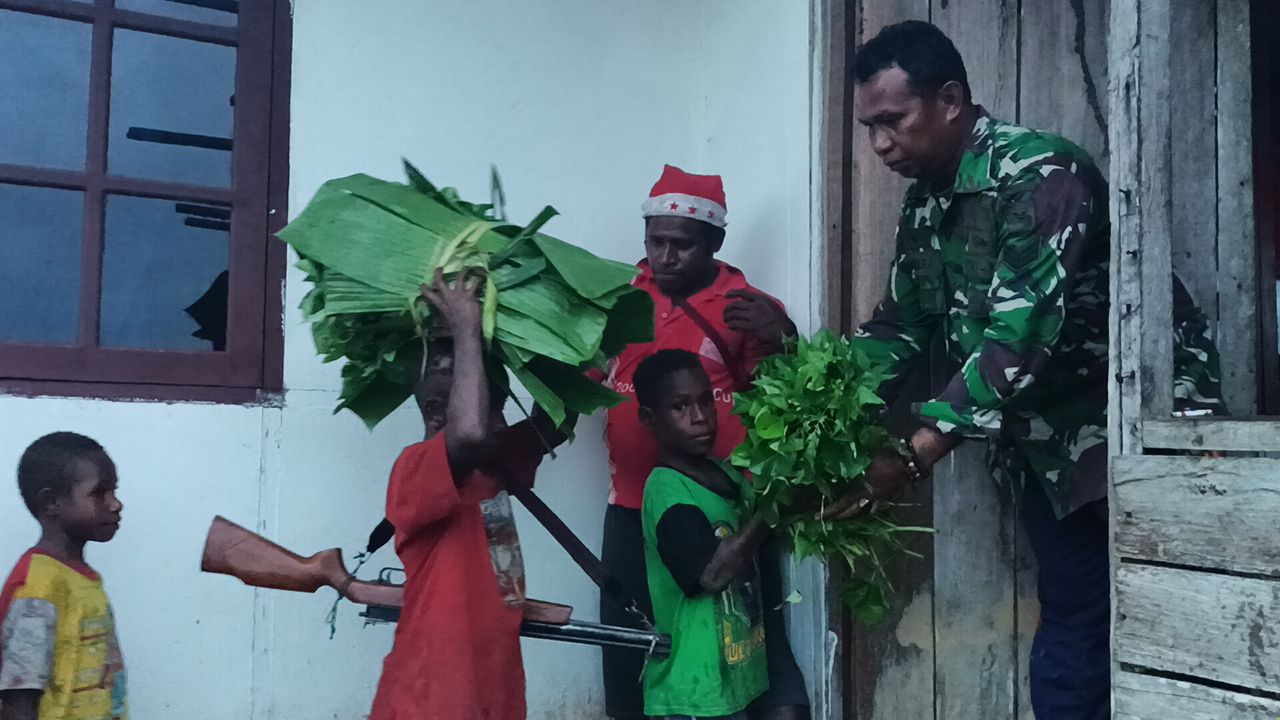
(256, 561)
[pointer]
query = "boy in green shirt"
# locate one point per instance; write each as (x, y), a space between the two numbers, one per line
(699, 553)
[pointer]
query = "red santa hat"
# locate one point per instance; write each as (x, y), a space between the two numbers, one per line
(680, 194)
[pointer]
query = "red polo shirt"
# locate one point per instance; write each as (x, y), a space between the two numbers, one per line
(632, 451)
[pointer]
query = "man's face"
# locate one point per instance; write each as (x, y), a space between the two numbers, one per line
(679, 253)
(912, 135)
(685, 419)
(89, 510)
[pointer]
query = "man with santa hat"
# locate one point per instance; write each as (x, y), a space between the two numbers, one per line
(706, 307)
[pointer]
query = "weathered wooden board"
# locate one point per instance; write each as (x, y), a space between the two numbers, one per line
(1201, 512)
(1026, 610)
(975, 608)
(833, 26)
(1237, 250)
(1193, 155)
(1063, 89)
(986, 34)
(1123, 100)
(1143, 697)
(1064, 72)
(1247, 435)
(1218, 627)
(877, 192)
(891, 665)
(1155, 184)
(975, 589)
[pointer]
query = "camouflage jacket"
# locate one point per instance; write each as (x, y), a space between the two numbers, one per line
(1010, 265)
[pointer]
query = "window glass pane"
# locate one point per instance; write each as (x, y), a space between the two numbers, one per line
(171, 109)
(44, 90)
(40, 238)
(164, 274)
(212, 12)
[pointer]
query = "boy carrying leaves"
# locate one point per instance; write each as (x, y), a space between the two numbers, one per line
(457, 645)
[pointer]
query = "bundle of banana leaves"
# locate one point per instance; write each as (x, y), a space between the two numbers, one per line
(551, 310)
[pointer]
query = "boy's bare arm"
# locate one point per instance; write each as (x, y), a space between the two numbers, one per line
(20, 704)
(734, 553)
(467, 429)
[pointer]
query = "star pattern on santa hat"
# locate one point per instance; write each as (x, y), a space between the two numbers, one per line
(681, 194)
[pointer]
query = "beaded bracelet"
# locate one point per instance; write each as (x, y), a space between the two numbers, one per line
(915, 469)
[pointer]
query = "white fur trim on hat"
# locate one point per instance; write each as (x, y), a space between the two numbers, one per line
(689, 206)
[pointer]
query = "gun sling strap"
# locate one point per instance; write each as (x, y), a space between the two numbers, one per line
(572, 544)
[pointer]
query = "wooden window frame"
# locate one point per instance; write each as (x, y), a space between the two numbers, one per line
(251, 367)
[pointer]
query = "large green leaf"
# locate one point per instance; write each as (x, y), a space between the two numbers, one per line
(589, 275)
(630, 321)
(579, 393)
(579, 325)
(364, 242)
(544, 396)
(529, 333)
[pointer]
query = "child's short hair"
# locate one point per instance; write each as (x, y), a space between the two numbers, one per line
(653, 372)
(46, 465)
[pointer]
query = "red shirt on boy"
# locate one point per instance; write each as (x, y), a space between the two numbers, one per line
(633, 453)
(457, 645)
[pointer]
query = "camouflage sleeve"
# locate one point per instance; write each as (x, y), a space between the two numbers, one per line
(899, 330)
(1197, 375)
(1043, 217)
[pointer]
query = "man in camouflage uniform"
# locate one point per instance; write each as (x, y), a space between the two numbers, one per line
(1002, 248)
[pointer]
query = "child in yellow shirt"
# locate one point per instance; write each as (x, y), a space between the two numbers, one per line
(59, 657)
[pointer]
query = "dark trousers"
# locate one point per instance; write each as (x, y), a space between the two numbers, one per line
(1071, 656)
(623, 554)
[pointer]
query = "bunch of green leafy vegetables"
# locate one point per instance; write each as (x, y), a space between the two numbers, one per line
(551, 310)
(814, 422)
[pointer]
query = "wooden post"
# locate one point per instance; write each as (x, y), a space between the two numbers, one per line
(1155, 206)
(1237, 244)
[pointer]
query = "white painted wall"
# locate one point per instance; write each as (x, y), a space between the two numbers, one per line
(579, 103)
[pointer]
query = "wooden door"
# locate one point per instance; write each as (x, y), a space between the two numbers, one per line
(1196, 554)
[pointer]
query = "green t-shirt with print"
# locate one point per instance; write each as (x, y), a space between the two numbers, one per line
(717, 662)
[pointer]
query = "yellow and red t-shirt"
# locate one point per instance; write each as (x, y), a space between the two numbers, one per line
(57, 635)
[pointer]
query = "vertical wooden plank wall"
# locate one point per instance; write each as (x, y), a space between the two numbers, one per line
(1155, 187)
(891, 665)
(1063, 90)
(958, 647)
(1193, 152)
(975, 588)
(1237, 248)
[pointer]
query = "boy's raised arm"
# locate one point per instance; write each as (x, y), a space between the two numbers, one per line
(467, 429)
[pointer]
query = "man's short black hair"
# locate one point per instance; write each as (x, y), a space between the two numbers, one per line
(650, 378)
(924, 53)
(47, 464)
